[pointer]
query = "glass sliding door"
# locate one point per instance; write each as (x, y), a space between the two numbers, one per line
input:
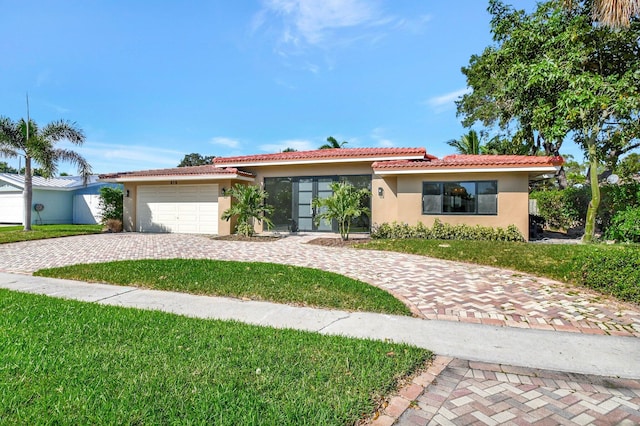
(280, 192)
(323, 190)
(292, 199)
(306, 190)
(303, 189)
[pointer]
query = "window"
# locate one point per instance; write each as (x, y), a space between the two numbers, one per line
(460, 197)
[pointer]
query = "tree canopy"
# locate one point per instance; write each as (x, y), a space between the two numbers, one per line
(195, 159)
(552, 74)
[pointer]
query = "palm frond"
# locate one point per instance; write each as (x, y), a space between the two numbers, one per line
(63, 130)
(615, 13)
(10, 135)
(72, 157)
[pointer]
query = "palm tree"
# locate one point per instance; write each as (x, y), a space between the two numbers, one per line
(333, 143)
(612, 13)
(248, 205)
(467, 144)
(344, 205)
(38, 145)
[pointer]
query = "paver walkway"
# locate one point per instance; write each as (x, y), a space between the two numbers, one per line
(458, 392)
(433, 288)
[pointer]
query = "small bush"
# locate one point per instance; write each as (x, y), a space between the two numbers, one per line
(563, 209)
(625, 226)
(614, 272)
(617, 198)
(111, 203)
(445, 231)
(113, 225)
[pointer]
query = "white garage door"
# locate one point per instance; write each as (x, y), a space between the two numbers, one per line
(11, 208)
(184, 209)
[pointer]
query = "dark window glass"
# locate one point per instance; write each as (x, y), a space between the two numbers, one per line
(460, 197)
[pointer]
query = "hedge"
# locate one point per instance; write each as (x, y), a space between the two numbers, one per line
(445, 231)
(614, 272)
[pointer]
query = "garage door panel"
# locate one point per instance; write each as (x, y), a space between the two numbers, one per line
(178, 208)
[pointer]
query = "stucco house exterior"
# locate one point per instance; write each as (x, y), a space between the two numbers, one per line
(60, 200)
(407, 185)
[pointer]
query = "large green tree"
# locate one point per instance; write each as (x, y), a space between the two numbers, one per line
(6, 168)
(195, 159)
(35, 144)
(553, 74)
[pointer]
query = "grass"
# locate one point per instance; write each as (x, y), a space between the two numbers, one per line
(12, 234)
(253, 280)
(69, 362)
(562, 262)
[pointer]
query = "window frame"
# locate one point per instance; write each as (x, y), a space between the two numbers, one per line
(441, 195)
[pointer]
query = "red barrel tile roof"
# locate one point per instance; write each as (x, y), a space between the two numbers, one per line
(476, 161)
(325, 154)
(208, 169)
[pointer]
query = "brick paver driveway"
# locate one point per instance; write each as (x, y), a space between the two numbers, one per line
(450, 391)
(433, 288)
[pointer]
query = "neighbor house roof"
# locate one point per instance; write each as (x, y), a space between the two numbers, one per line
(63, 183)
(178, 173)
(470, 163)
(334, 155)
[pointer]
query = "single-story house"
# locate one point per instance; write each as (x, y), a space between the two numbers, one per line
(407, 185)
(59, 200)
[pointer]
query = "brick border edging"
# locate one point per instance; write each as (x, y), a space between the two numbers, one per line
(399, 403)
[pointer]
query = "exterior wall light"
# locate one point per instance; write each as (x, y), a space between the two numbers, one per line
(380, 191)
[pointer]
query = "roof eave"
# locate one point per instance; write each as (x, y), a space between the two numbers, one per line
(448, 170)
(186, 178)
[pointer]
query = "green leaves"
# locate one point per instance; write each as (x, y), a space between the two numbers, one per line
(248, 203)
(343, 206)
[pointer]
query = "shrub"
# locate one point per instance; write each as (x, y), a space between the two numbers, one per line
(113, 225)
(614, 272)
(563, 209)
(111, 202)
(617, 198)
(625, 226)
(567, 208)
(445, 231)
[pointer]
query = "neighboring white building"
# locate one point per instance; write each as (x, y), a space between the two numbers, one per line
(59, 200)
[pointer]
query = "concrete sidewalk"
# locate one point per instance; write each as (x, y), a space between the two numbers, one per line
(612, 356)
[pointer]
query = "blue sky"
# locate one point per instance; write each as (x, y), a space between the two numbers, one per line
(152, 81)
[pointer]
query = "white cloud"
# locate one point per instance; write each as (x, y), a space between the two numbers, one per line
(303, 23)
(105, 157)
(377, 134)
(297, 144)
(415, 25)
(228, 142)
(447, 101)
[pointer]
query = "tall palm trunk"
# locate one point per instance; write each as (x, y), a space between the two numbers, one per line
(27, 194)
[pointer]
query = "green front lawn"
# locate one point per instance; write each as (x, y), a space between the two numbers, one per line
(253, 280)
(12, 234)
(68, 362)
(562, 262)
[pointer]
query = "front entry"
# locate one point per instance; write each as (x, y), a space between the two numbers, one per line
(292, 201)
(307, 190)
